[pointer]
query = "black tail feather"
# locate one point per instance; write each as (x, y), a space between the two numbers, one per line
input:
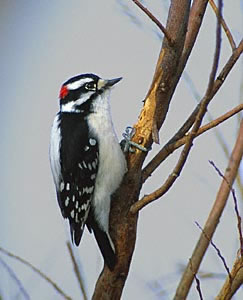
(76, 232)
(103, 242)
(105, 247)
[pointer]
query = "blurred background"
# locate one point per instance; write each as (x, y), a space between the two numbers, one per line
(43, 43)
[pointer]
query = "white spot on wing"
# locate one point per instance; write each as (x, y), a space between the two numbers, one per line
(79, 165)
(72, 213)
(90, 167)
(67, 201)
(76, 218)
(73, 198)
(85, 205)
(76, 204)
(92, 177)
(68, 186)
(84, 164)
(62, 186)
(92, 142)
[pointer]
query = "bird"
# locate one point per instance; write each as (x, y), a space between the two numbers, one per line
(86, 159)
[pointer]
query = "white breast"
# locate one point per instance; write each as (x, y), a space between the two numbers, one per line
(112, 163)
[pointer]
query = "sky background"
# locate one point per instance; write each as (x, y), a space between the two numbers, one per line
(43, 43)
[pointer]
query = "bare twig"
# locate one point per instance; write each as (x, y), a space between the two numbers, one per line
(235, 204)
(197, 13)
(16, 279)
(217, 50)
(224, 25)
(155, 20)
(213, 218)
(77, 272)
(41, 274)
(209, 116)
(198, 287)
(217, 250)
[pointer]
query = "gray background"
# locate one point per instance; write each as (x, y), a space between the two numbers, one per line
(43, 43)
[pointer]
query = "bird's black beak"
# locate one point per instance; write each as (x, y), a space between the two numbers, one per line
(107, 83)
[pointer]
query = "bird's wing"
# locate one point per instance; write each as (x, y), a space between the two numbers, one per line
(79, 167)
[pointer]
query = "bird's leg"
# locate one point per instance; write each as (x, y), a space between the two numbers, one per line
(127, 145)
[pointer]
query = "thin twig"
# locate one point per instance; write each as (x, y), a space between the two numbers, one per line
(217, 50)
(16, 279)
(41, 274)
(224, 25)
(77, 271)
(217, 250)
(235, 204)
(155, 20)
(198, 287)
(209, 116)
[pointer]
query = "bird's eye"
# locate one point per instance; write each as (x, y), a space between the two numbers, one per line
(90, 86)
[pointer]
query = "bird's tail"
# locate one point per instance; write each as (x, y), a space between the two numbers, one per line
(106, 246)
(104, 241)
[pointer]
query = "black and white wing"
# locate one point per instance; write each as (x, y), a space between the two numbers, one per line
(78, 169)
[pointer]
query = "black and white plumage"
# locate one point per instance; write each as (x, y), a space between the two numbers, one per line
(86, 159)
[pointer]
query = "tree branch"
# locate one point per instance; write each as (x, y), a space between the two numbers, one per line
(155, 20)
(16, 279)
(236, 207)
(41, 274)
(224, 25)
(213, 218)
(77, 271)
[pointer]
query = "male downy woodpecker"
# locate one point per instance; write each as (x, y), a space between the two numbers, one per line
(87, 162)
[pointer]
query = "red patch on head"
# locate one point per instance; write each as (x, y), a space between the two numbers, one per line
(63, 92)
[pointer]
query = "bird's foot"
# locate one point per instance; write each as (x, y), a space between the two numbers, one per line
(127, 145)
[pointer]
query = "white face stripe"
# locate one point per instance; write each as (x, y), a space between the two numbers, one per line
(72, 105)
(77, 84)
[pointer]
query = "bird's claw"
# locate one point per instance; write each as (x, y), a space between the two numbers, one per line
(127, 144)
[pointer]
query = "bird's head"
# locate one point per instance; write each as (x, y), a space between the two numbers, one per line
(79, 92)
